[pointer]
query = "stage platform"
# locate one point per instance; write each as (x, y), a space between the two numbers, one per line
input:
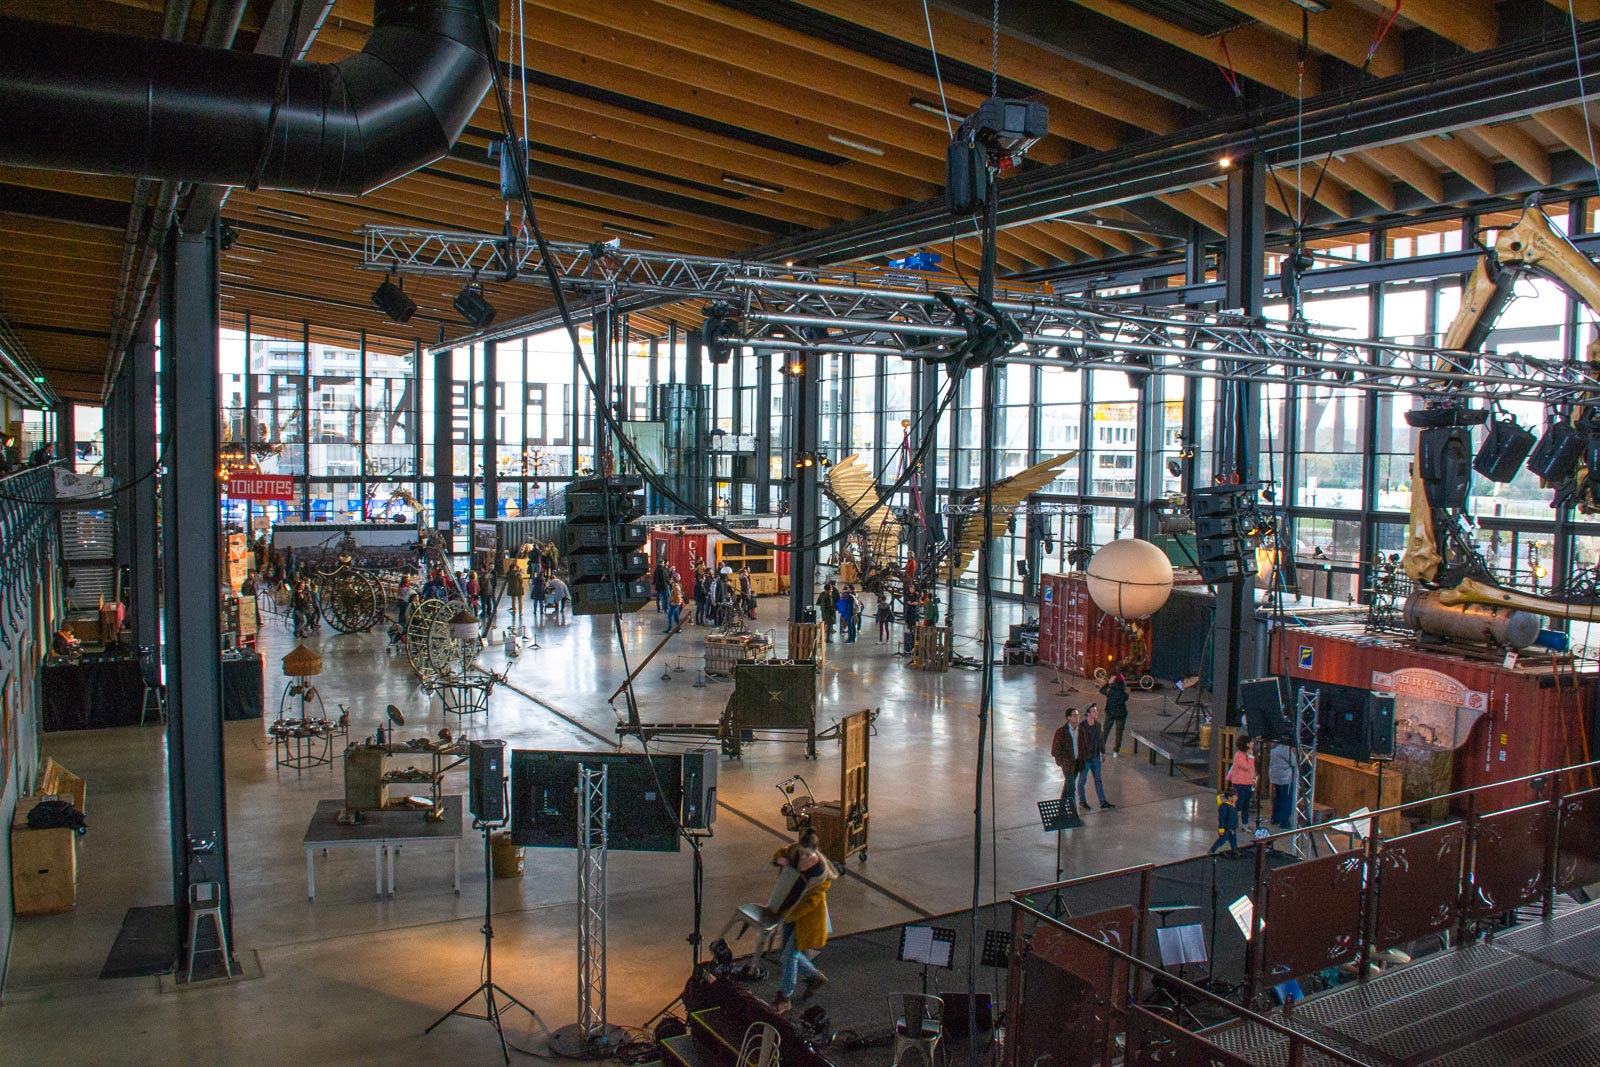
(1528, 998)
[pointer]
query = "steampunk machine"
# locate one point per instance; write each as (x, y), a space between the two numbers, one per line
(777, 697)
(841, 825)
(1455, 596)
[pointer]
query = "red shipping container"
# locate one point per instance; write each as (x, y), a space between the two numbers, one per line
(1509, 721)
(1076, 636)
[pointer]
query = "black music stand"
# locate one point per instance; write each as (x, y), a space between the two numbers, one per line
(1057, 816)
(996, 949)
(1180, 946)
(930, 946)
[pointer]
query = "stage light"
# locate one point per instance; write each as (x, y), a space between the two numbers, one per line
(470, 305)
(392, 300)
(797, 369)
(751, 183)
(1175, 468)
(1225, 162)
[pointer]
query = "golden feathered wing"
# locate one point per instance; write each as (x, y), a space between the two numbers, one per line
(1008, 493)
(853, 490)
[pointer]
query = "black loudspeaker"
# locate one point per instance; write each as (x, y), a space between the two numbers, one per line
(1444, 455)
(1557, 453)
(1380, 726)
(1503, 451)
(954, 1015)
(486, 780)
(1262, 702)
(700, 789)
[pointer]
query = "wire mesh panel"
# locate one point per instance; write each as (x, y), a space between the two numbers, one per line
(1419, 884)
(1313, 916)
(1578, 857)
(1508, 868)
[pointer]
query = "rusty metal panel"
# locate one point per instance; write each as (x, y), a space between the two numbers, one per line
(1419, 884)
(1157, 1042)
(1074, 994)
(1578, 858)
(1313, 917)
(1508, 869)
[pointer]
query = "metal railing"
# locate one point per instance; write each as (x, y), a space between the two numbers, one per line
(1469, 862)
(29, 544)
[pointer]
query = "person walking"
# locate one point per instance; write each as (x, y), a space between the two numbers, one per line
(556, 593)
(1280, 773)
(747, 592)
(885, 618)
(1116, 693)
(404, 595)
(1227, 826)
(699, 596)
(1242, 775)
(659, 580)
(1066, 748)
(674, 602)
(1093, 745)
(516, 589)
(800, 897)
(913, 609)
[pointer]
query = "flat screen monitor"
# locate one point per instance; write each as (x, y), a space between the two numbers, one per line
(645, 797)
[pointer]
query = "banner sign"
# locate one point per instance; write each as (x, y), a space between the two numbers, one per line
(252, 486)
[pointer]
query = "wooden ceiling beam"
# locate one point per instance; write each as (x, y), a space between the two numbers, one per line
(1472, 24)
(1364, 179)
(1257, 53)
(1456, 154)
(1571, 128)
(1344, 32)
(1197, 208)
(1410, 168)
(1585, 10)
(967, 40)
(1520, 147)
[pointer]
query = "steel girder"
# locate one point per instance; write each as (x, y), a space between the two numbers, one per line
(913, 315)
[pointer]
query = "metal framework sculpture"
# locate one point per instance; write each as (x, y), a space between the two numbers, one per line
(351, 600)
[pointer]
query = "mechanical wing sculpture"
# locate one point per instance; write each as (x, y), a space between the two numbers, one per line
(967, 530)
(853, 490)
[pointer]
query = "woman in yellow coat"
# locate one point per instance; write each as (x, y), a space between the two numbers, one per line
(801, 897)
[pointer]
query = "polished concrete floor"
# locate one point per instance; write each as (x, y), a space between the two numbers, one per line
(353, 979)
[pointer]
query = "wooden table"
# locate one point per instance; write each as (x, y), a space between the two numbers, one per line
(386, 833)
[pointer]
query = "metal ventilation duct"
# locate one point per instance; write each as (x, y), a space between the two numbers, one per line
(100, 103)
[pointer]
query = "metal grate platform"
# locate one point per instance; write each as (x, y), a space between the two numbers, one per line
(1530, 998)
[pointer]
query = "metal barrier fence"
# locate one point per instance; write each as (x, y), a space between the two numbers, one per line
(1086, 965)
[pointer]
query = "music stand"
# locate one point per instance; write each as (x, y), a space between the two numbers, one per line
(1059, 815)
(996, 949)
(930, 946)
(1180, 946)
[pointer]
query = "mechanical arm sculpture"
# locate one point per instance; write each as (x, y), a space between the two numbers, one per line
(1439, 551)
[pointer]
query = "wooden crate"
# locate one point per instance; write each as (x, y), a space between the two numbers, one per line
(806, 643)
(44, 865)
(931, 652)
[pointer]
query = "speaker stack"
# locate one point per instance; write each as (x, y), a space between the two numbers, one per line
(486, 780)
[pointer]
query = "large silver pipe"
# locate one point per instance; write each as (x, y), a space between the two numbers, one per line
(1475, 624)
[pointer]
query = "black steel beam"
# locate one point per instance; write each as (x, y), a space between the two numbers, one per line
(763, 431)
(1506, 83)
(491, 441)
(141, 498)
(443, 452)
(805, 427)
(190, 323)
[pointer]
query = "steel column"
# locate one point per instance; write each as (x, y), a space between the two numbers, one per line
(66, 432)
(443, 451)
(193, 553)
(491, 441)
(805, 427)
(605, 325)
(141, 498)
(1238, 437)
(698, 490)
(119, 465)
(925, 406)
(763, 429)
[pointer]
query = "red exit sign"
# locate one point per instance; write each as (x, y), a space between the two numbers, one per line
(260, 486)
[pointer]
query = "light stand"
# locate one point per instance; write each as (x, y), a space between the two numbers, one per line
(487, 989)
(1058, 816)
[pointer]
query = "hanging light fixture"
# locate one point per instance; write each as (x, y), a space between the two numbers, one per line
(391, 299)
(471, 305)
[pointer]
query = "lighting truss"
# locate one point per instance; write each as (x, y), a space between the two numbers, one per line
(1307, 706)
(913, 315)
(594, 803)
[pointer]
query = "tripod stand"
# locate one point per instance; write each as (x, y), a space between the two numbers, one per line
(487, 989)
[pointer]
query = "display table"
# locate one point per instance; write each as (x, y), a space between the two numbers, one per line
(386, 833)
(99, 692)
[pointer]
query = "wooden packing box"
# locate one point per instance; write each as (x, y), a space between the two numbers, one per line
(44, 865)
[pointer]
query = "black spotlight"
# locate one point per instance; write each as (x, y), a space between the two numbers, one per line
(718, 333)
(471, 305)
(1175, 468)
(393, 301)
(1556, 455)
(1503, 451)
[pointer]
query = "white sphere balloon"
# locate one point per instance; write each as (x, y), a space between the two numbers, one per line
(1130, 578)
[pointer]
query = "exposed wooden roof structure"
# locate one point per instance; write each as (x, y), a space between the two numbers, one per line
(718, 127)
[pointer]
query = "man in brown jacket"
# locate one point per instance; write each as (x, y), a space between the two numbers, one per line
(1067, 749)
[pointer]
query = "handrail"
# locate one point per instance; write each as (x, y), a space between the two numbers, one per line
(1238, 1010)
(1082, 880)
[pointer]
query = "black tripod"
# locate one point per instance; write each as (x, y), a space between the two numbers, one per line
(487, 988)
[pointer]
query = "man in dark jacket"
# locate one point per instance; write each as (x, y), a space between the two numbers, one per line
(1068, 749)
(659, 579)
(828, 608)
(1116, 693)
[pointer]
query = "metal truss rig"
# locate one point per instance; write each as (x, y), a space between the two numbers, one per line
(914, 315)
